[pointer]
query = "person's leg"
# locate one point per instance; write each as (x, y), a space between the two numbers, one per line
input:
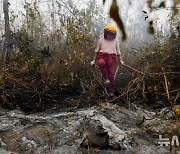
(103, 67)
(110, 70)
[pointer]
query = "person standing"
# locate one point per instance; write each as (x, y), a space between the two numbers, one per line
(106, 53)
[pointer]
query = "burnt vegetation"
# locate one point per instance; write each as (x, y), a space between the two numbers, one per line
(47, 68)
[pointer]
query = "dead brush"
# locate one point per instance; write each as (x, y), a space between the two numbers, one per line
(160, 82)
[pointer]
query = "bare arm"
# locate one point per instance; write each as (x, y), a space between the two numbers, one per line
(98, 47)
(119, 53)
(95, 55)
(120, 57)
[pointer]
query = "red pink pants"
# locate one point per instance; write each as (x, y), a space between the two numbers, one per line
(106, 63)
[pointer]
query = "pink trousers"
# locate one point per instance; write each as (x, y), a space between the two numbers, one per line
(106, 63)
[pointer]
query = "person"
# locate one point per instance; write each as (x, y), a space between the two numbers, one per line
(106, 53)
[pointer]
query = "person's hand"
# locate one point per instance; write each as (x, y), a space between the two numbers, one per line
(92, 63)
(121, 62)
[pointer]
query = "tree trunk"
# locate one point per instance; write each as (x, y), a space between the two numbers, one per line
(7, 32)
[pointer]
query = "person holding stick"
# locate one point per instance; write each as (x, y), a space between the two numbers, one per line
(106, 53)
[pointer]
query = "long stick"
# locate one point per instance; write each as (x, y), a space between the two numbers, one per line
(117, 69)
(166, 84)
(133, 69)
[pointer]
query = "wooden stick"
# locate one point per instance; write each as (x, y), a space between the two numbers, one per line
(162, 73)
(173, 91)
(176, 99)
(117, 69)
(133, 69)
(166, 84)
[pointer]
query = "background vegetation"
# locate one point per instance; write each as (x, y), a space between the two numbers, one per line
(43, 67)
